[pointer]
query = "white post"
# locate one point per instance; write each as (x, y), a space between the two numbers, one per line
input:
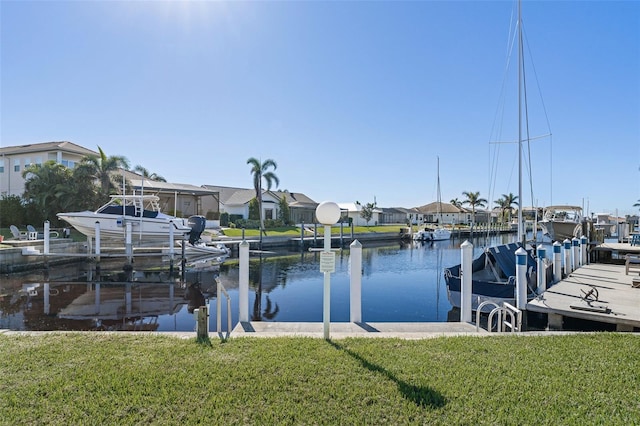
(326, 301)
(466, 273)
(542, 276)
(47, 306)
(327, 214)
(128, 247)
(583, 249)
(171, 240)
(567, 257)
(127, 298)
(97, 298)
(219, 306)
(243, 290)
(577, 260)
(46, 236)
(355, 282)
(521, 278)
(557, 261)
(97, 230)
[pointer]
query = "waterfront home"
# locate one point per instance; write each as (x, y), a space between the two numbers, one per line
(14, 159)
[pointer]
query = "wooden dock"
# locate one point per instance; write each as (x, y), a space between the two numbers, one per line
(596, 292)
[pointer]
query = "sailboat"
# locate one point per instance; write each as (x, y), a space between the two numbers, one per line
(438, 233)
(493, 272)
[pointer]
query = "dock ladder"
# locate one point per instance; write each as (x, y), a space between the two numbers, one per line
(509, 318)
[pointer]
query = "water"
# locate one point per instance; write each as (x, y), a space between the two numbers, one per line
(401, 282)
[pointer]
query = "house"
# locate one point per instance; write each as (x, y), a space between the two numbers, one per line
(445, 213)
(235, 202)
(178, 199)
(400, 215)
(351, 212)
(14, 159)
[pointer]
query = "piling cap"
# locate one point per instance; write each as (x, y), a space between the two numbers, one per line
(466, 244)
(521, 252)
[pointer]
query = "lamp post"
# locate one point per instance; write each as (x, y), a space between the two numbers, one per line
(327, 214)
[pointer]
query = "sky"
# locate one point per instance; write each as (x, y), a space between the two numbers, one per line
(354, 100)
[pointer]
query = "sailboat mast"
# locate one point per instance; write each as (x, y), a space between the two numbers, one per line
(521, 236)
(439, 197)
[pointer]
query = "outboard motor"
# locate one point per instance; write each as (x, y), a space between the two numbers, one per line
(197, 224)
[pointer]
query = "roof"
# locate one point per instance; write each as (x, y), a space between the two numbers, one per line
(354, 207)
(238, 196)
(64, 146)
(443, 208)
(139, 182)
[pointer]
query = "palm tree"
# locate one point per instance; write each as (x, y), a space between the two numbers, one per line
(509, 201)
(502, 205)
(45, 186)
(457, 203)
(261, 171)
(101, 167)
(637, 204)
(148, 175)
(473, 199)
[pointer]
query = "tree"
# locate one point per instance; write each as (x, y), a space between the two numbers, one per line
(261, 171)
(473, 199)
(13, 211)
(367, 211)
(506, 205)
(283, 210)
(501, 203)
(101, 168)
(47, 189)
(457, 203)
(637, 204)
(254, 209)
(148, 175)
(509, 201)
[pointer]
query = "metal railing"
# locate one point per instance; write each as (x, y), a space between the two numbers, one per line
(222, 290)
(509, 318)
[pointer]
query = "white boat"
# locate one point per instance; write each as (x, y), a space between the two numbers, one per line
(144, 215)
(562, 222)
(437, 233)
(432, 234)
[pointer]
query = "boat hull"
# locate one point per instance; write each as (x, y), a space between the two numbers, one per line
(114, 227)
(560, 231)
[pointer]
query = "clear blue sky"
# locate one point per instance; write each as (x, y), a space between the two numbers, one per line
(351, 99)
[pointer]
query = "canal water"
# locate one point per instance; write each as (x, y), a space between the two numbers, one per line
(401, 282)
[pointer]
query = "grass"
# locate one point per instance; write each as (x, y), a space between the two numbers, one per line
(138, 379)
(294, 231)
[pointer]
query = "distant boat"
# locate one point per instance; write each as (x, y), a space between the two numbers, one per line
(562, 222)
(437, 233)
(148, 223)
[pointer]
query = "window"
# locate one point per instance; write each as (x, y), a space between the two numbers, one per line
(16, 165)
(1, 166)
(27, 162)
(268, 214)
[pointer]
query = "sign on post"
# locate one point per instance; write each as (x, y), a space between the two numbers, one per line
(327, 261)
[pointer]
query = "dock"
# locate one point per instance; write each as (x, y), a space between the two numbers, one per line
(341, 330)
(596, 292)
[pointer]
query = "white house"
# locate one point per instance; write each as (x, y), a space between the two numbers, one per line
(14, 159)
(352, 212)
(235, 201)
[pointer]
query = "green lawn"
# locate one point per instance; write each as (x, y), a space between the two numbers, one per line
(96, 378)
(295, 231)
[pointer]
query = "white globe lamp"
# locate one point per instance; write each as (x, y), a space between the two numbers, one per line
(328, 213)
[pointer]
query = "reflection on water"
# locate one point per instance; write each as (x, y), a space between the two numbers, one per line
(400, 282)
